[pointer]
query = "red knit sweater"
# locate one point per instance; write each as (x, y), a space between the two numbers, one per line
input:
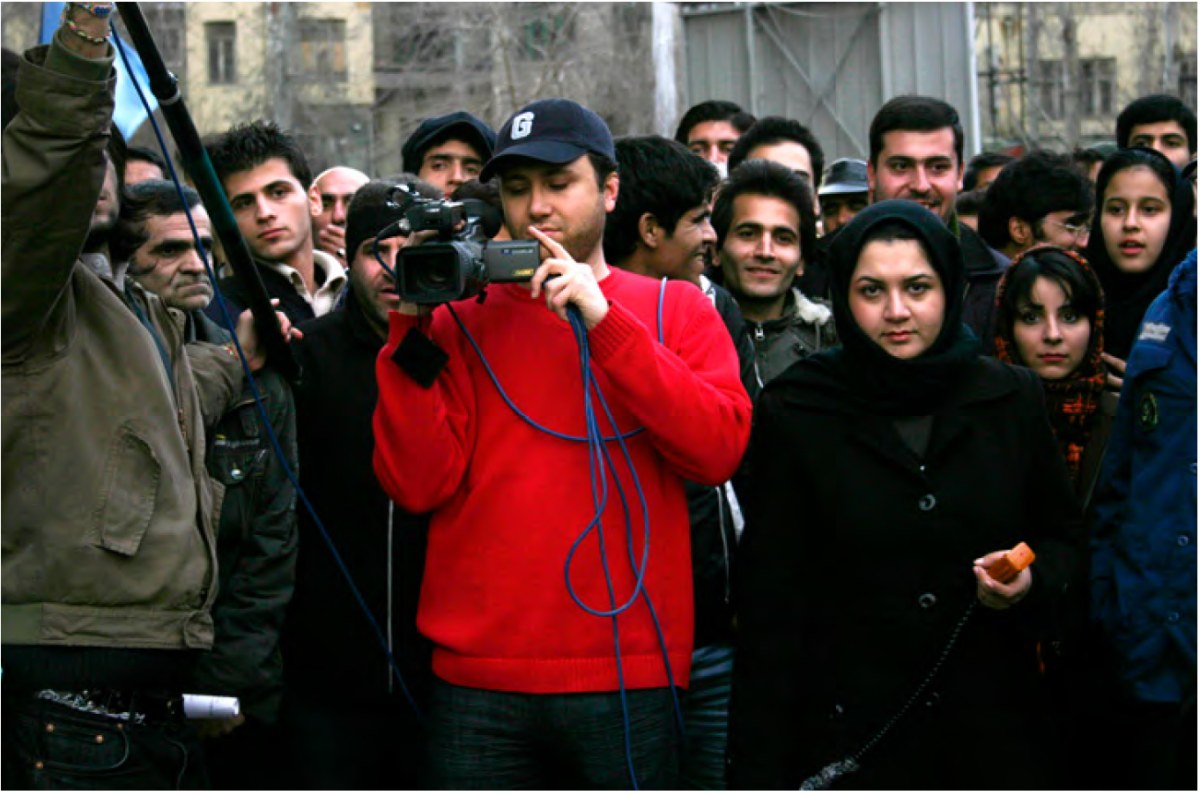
(508, 501)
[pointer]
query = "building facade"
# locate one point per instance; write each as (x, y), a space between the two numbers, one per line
(1057, 74)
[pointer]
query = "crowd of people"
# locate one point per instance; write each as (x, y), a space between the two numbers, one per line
(715, 494)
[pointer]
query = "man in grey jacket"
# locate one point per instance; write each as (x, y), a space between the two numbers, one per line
(766, 232)
(109, 559)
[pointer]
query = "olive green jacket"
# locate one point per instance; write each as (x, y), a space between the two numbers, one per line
(107, 511)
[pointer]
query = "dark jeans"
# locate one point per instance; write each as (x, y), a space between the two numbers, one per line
(50, 746)
(376, 745)
(483, 739)
(706, 718)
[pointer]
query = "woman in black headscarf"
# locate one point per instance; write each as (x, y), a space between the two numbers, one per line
(1143, 228)
(874, 650)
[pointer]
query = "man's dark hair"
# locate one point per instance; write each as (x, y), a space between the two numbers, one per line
(603, 165)
(969, 202)
(768, 178)
(247, 146)
(660, 177)
(713, 110)
(1155, 108)
(147, 155)
(144, 200)
(916, 114)
(1083, 293)
(776, 129)
(1085, 157)
(1030, 188)
(982, 161)
(488, 192)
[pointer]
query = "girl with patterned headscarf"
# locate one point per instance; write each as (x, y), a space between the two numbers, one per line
(1050, 318)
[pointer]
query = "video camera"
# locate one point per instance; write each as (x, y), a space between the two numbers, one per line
(463, 260)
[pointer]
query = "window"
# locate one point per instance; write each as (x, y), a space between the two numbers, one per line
(1048, 82)
(1098, 87)
(222, 52)
(168, 22)
(1187, 79)
(323, 49)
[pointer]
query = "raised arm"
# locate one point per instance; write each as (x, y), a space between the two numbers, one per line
(53, 165)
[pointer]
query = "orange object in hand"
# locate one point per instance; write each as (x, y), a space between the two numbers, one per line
(1013, 563)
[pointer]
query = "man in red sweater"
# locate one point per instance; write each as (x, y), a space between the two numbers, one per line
(533, 690)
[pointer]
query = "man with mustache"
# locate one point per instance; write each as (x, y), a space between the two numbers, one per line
(917, 154)
(766, 235)
(256, 532)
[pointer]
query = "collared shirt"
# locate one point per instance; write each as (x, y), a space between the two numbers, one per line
(323, 299)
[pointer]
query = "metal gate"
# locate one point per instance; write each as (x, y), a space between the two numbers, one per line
(831, 65)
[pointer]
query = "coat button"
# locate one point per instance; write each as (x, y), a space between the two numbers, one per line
(1193, 467)
(1183, 541)
(1172, 617)
(926, 600)
(927, 502)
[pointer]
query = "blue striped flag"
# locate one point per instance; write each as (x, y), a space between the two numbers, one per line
(129, 113)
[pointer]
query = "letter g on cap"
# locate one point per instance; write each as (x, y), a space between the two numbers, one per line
(522, 125)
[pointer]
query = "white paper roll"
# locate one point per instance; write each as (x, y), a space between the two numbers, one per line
(200, 706)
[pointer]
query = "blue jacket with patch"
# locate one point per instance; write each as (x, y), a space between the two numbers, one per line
(1144, 531)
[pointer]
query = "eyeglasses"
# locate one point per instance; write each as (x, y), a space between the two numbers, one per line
(1078, 231)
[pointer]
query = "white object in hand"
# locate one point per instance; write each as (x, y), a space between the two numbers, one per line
(200, 706)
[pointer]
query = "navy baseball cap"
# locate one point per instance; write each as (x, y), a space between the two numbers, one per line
(553, 131)
(459, 125)
(846, 175)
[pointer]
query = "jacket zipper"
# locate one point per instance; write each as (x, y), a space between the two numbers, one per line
(724, 543)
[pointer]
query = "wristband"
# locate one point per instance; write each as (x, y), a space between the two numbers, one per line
(100, 10)
(420, 357)
(74, 28)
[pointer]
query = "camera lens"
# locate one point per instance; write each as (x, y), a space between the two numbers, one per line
(435, 275)
(430, 273)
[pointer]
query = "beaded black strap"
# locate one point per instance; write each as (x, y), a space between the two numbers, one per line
(825, 777)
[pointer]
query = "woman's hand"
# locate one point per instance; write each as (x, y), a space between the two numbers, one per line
(1000, 595)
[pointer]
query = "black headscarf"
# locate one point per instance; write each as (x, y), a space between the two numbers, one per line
(1128, 295)
(875, 381)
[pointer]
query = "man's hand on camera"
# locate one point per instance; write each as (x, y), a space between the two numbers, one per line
(573, 283)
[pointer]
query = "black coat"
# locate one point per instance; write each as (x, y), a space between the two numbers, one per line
(256, 542)
(714, 538)
(330, 650)
(855, 567)
(237, 297)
